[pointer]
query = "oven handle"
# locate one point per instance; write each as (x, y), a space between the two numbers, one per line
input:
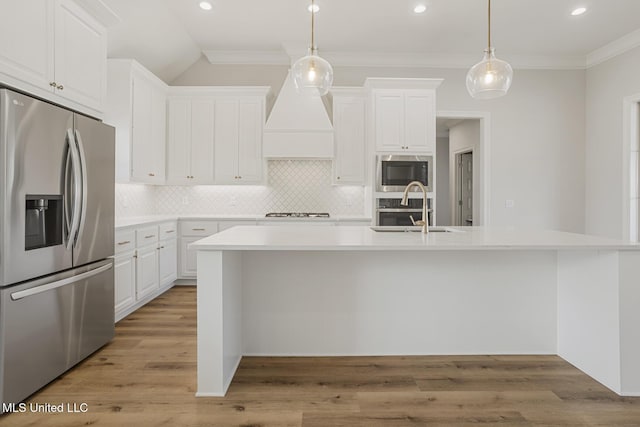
(59, 283)
(399, 210)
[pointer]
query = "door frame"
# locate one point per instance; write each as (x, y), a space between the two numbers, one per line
(630, 142)
(483, 198)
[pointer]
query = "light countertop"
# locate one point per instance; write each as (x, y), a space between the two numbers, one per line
(155, 219)
(362, 238)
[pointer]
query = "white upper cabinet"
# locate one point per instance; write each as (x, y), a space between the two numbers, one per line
(238, 140)
(190, 142)
(215, 135)
(349, 125)
(80, 56)
(54, 49)
(31, 22)
(136, 106)
(404, 114)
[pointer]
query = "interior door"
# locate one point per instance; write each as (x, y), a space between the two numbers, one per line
(96, 142)
(465, 189)
(33, 140)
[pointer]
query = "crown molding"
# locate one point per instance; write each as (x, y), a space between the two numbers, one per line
(613, 49)
(247, 57)
(389, 59)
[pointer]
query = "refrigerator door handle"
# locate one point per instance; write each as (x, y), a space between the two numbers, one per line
(83, 173)
(59, 283)
(77, 188)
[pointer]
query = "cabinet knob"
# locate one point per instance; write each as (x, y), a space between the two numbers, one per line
(53, 84)
(60, 87)
(152, 174)
(337, 177)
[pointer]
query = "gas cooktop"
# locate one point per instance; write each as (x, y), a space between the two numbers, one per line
(297, 215)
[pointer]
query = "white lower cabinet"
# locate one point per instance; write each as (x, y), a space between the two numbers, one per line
(146, 271)
(190, 231)
(145, 265)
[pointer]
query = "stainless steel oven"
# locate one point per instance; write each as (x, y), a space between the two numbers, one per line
(394, 172)
(389, 212)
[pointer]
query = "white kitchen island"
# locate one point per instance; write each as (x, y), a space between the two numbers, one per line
(328, 291)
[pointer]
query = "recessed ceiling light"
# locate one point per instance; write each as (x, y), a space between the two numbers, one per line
(313, 8)
(420, 8)
(578, 11)
(205, 5)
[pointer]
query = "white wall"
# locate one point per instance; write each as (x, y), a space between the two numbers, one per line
(537, 133)
(607, 84)
(464, 137)
(443, 200)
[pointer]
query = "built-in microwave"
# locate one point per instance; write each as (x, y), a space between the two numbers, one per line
(394, 172)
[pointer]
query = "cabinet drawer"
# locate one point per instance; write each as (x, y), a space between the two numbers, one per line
(168, 230)
(125, 240)
(198, 228)
(146, 236)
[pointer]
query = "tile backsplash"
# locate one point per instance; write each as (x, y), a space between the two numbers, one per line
(292, 186)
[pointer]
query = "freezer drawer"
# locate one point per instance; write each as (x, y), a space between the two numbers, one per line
(50, 324)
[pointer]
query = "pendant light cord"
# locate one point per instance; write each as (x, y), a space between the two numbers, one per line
(313, 15)
(489, 29)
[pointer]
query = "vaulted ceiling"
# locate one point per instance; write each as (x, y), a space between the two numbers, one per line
(167, 36)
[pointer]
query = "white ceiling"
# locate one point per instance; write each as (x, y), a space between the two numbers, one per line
(168, 35)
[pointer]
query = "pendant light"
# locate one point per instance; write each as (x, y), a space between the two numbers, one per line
(491, 77)
(312, 74)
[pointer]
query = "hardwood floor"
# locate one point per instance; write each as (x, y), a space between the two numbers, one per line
(147, 377)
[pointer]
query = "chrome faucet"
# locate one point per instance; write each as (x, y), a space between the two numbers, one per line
(424, 222)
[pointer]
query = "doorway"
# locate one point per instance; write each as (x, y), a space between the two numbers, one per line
(462, 165)
(464, 189)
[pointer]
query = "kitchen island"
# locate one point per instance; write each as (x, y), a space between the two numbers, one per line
(335, 291)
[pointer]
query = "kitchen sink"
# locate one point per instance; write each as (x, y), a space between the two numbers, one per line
(412, 229)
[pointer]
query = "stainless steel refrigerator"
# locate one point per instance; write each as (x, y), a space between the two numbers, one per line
(57, 226)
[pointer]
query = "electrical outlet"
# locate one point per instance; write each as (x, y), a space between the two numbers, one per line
(125, 202)
(233, 201)
(185, 200)
(509, 203)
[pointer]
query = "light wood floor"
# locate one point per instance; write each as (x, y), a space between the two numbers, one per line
(147, 377)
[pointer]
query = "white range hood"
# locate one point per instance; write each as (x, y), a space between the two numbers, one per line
(298, 126)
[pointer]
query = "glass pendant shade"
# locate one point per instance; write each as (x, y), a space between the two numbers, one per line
(312, 74)
(489, 78)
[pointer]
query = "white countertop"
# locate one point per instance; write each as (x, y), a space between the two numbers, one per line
(362, 238)
(154, 219)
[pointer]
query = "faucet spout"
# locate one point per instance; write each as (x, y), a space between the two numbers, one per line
(424, 222)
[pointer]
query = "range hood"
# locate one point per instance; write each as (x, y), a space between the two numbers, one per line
(298, 126)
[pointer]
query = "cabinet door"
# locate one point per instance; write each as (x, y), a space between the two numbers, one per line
(250, 141)
(26, 41)
(420, 122)
(202, 140)
(158, 133)
(124, 281)
(349, 123)
(179, 141)
(188, 257)
(146, 271)
(389, 121)
(80, 55)
(143, 166)
(168, 262)
(226, 141)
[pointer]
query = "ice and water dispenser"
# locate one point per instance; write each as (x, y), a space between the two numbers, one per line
(43, 221)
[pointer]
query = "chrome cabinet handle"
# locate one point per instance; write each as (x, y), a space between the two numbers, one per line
(152, 174)
(53, 84)
(60, 87)
(126, 242)
(149, 236)
(170, 231)
(197, 229)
